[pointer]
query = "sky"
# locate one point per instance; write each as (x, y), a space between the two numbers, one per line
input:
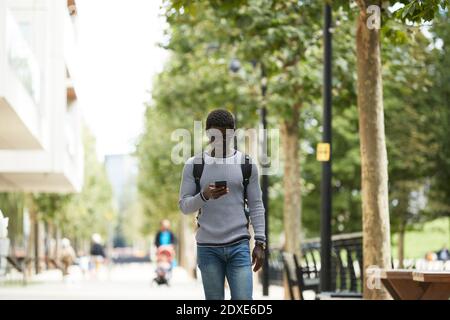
(118, 57)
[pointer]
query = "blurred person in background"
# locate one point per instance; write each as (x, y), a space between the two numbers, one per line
(83, 262)
(443, 254)
(97, 252)
(68, 255)
(165, 237)
(430, 256)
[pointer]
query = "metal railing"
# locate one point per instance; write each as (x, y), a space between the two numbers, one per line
(346, 262)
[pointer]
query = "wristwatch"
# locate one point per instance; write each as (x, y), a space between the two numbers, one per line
(261, 244)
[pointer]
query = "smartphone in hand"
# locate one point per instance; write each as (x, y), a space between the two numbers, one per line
(220, 184)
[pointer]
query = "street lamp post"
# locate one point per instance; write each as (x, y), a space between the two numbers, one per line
(326, 191)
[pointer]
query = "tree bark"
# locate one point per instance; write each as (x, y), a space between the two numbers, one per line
(401, 247)
(291, 183)
(57, 242)
(34, 237)
(376, 228)
(47, 238)
(30, 241)
(186, 245)
(401, 214)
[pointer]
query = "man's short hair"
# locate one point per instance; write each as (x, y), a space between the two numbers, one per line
(220, 118)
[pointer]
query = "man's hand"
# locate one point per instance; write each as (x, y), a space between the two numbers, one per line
(258, 257)
(211, 191)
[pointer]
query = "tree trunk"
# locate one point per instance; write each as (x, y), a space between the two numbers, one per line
(401, 214)
(401, 246)
(47, 241)
(186, 245)
(76, 243)
(291, 183)
(34, 240)
(376, 228)
(30, 240)
(57, 242)
(51, 236)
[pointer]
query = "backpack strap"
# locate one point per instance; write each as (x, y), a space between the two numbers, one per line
(246, 168)
(197, 172)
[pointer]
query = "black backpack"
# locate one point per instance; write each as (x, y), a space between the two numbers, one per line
(246, 169)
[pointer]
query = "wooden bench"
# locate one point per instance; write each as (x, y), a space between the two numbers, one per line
(55, 264)
(339, 296)
(435, 285)
(416, 285)
(347, 281)
(20, 264)
(298, 277)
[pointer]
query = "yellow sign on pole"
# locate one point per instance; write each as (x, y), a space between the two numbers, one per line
(323, 151)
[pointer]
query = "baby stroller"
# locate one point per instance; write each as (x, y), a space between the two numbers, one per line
(164, 259)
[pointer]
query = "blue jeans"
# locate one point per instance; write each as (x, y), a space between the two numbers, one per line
(232, 262)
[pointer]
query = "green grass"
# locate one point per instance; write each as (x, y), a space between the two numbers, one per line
(431, 238)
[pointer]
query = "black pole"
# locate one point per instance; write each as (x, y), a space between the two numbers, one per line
(326, 192)
(235, 124)
(265, 183)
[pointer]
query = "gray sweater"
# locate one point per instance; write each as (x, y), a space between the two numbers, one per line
(222, 221)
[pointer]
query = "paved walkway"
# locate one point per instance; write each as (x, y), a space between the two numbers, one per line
(130, 281)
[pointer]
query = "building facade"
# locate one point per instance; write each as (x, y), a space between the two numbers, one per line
(40, 120)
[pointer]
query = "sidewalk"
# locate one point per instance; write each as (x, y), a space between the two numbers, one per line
(126, 282)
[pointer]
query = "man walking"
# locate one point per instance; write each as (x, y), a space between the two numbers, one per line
(222, 184)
